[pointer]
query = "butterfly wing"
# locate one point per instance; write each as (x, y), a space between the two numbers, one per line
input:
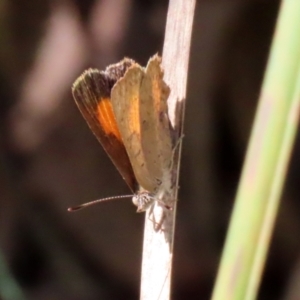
(154, 115)
(91, 92)
(140, 107)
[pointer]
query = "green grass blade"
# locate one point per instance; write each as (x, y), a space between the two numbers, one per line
(265, 166)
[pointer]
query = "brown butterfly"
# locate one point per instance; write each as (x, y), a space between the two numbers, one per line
(126, 108)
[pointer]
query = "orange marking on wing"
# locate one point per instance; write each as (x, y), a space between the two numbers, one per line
(107, 119)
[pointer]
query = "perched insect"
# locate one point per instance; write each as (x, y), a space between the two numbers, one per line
(126, 108)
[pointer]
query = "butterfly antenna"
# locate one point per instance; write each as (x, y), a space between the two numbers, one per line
(84, 205)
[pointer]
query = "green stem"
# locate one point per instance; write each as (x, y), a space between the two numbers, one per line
(265, 166)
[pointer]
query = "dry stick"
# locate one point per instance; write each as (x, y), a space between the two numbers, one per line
(158, 246)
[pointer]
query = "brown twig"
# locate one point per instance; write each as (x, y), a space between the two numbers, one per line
(158, 246)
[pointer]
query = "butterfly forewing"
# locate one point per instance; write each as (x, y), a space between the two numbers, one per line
(91, 92)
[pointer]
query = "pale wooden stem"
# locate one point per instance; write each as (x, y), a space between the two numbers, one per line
(158, 246)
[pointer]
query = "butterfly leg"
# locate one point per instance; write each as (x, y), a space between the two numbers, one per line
(157, 220)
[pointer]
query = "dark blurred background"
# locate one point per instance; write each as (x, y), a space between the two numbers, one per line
(50, 160)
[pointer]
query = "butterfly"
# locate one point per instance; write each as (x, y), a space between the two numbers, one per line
(126, 108)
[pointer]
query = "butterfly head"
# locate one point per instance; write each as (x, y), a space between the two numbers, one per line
(143, 200)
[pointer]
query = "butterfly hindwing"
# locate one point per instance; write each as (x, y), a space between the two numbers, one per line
(139, 101)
